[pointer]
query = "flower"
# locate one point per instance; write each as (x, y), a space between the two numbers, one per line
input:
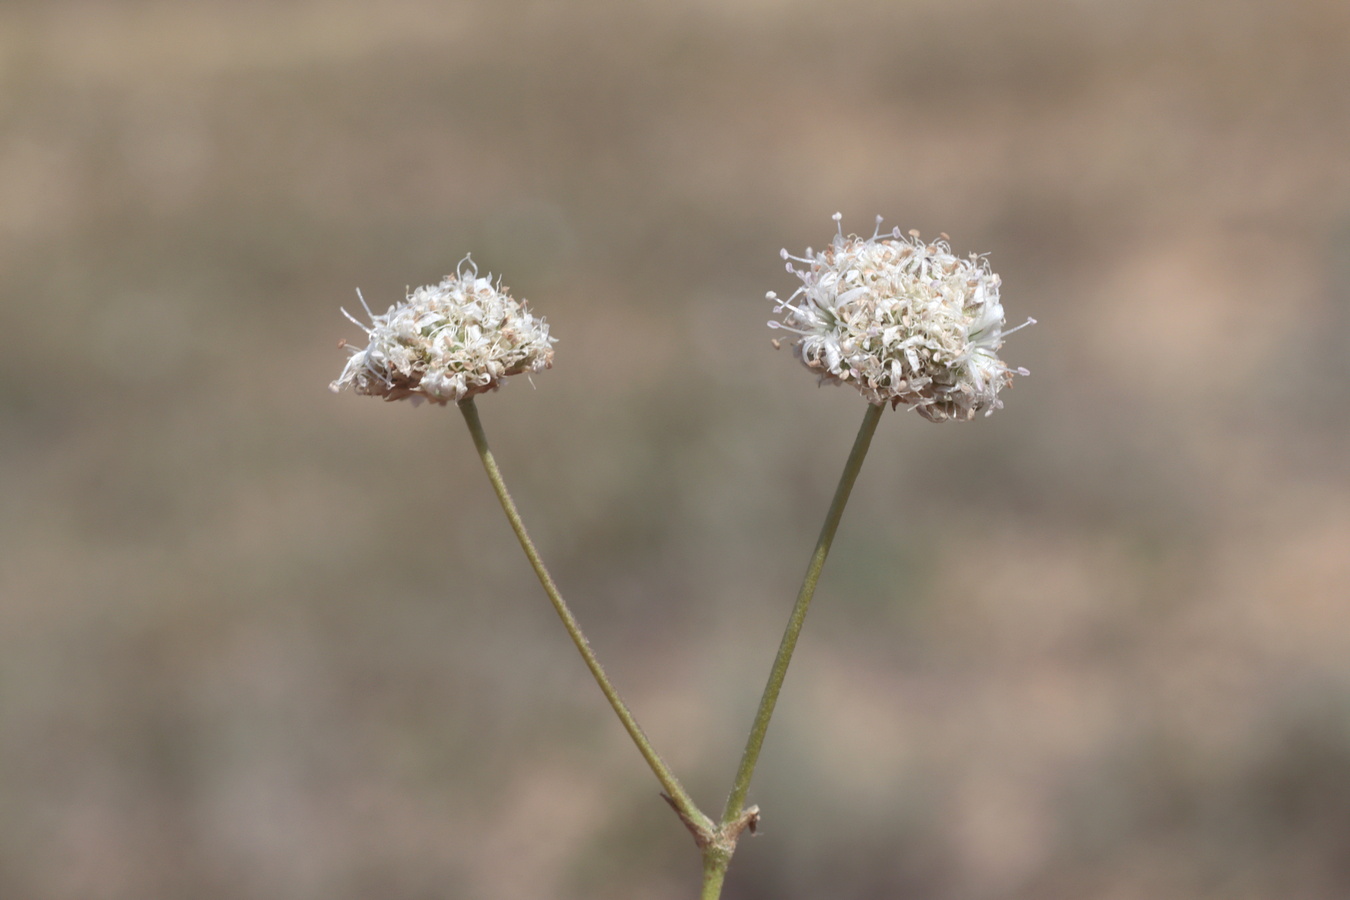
(447, 342)
(902, 320)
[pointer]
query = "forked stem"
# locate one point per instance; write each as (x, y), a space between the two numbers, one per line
(717, 841)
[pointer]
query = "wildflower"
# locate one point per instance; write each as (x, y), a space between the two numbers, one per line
(902, 320)
(447, 342)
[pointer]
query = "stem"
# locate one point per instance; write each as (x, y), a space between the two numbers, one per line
(741, 786)
(692, 816)
(714, 873)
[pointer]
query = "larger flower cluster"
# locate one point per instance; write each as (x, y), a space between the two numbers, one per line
(447, 342)
(902, 320)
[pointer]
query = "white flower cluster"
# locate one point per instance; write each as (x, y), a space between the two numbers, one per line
(447, 342)
(903, 321)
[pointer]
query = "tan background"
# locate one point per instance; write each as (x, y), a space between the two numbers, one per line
(259, 641)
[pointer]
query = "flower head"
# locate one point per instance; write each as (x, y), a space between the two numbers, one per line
(447, 342)
(902, 320)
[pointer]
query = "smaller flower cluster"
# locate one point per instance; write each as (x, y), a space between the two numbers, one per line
(447, 342)
(903, 321)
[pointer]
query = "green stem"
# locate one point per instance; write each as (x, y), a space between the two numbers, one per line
(741, 786)
(714, 873)
(692, 816)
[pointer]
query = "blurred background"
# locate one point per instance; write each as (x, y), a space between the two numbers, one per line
(258, 640)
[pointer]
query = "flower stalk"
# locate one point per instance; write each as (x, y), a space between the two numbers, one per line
(736, 812)
(694, 819)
